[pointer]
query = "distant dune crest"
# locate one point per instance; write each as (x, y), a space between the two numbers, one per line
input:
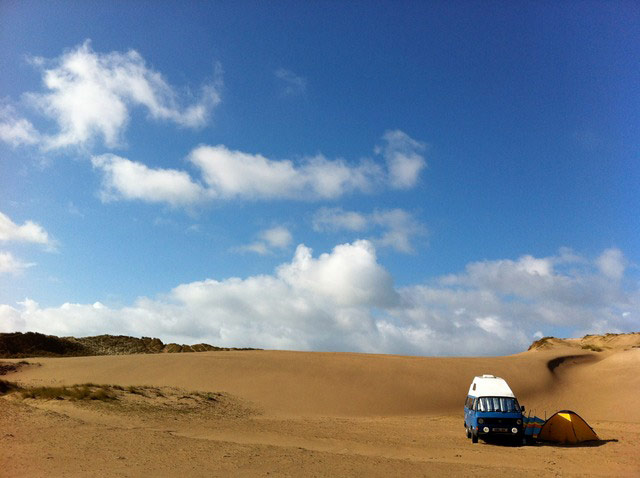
(595, 343)
(33, 344)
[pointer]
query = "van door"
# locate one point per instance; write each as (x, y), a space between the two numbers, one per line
(469, 412)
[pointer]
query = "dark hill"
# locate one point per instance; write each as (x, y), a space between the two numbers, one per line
(34, 344)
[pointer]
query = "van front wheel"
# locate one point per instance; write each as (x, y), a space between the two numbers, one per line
(474, 438)
(468, 432)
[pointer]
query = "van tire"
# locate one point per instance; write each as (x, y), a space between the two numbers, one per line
(474, 438)
(468, 432)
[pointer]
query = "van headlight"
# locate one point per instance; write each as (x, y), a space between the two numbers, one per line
(480, 420)
(519, 422)
(514, 430)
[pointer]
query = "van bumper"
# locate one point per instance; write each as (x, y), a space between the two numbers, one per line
(499, 431)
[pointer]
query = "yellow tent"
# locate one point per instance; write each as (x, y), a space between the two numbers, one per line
(566, 426)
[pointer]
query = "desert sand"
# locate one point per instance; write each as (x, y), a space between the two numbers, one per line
(274, 413)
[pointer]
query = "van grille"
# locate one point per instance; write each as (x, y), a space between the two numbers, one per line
(500, 422)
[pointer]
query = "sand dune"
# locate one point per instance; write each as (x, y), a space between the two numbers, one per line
(596, 343)
(295, 383)
(322, 414)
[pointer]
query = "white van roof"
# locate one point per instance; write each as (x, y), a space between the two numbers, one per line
(490, 386)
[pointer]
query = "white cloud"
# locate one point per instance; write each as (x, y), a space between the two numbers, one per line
(14, 130)
(229, 174)
(346, 300)
(495, 326)
(307, 303)
(292, 84)
(546, 291)
(397, 227)
(125, 179)
(526, 276)
(404, 158)
(337, 219)
(89, 96)
(277, 237)
(612, 263)
(350, 276)
(27, 232)
(11, 265)
(531, 265)
(232, 174)
(257, 247)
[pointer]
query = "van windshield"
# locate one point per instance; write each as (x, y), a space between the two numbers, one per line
(497, 404)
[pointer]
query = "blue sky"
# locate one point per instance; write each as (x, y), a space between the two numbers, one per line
(443, 178)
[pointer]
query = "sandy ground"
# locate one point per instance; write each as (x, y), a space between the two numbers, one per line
(314, 414)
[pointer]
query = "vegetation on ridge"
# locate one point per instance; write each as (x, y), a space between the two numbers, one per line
(34, 344)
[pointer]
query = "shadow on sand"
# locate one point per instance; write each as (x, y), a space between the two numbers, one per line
(510, 442)
(584, 444)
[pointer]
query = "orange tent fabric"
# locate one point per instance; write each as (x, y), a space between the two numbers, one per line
(566, 426)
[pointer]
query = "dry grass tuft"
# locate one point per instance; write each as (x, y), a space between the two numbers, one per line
(158, 401)
(8, 387)
(87, 391)
(135, 391)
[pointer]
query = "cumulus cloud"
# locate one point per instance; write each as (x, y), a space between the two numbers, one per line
(125, 179)
(547, 290)
(292, 84)
(349, 277)
(89, 95)
(11, 265)
(397, 228)
(346, 300)
(307, 303)
(404, 157)
(494, 326)
(278, 237)
(612, 263)
(27, 232)
(229, 174)
(14, 130)
(337, 219)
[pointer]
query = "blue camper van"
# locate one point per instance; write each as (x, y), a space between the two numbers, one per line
(491, 409)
